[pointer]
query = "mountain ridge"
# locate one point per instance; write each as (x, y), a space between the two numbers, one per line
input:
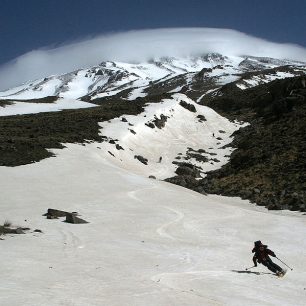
(109, 77)
(240, 89)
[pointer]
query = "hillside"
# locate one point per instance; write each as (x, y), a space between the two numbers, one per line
(147, 242)
(157, 119)
(148, 183)
(268, 164)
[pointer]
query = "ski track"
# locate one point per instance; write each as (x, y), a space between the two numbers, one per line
(70, 243)
(162, 230)
(158, 279)
(132, 194)
(202, 274)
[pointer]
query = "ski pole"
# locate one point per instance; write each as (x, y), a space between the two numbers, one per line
(249, 268)
(284, 263)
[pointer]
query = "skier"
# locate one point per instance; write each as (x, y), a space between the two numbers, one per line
(262, 256)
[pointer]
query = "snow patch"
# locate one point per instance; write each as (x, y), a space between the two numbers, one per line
(183, 129)
(20, 108)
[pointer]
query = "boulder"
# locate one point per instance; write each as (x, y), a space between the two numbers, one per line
(141, 159)
(55, 213)
(188, 106)
(72, 218)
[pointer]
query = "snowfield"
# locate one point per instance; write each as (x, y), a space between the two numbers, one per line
(148, 242)
(171, 142)
(21, 108)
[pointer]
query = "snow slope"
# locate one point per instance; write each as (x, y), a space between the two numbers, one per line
(20, 108)
(110, 78)
(183, 129)
(147, 243)
(261, 79)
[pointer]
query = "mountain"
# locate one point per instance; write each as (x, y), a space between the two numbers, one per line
(174, 119)
(115, 144)
(129, 81)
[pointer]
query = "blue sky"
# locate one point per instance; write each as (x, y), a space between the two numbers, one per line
(26, 25)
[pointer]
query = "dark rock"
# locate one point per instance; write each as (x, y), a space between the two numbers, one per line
(184, 180)
(19, 231)
(8, 230)
(72, 218)
(200, 189)
(201, 151)
(141, 159)
(186, 169)
(55, 213)
(132, 131)
(197, 155)
(150, 125)
(160, 122)
(204, 71)
(182, 170)
(188, 106)
(123, 119)
(215, 160)
(152, 177)
(51, 217)
(118, 147)
(201, 118)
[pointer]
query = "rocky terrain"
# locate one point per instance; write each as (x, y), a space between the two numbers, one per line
(26, 138)
(268, 166)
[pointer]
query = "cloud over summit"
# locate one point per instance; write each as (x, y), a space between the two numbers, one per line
(138, 46)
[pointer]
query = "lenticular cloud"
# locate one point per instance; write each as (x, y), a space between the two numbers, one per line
(138, 46)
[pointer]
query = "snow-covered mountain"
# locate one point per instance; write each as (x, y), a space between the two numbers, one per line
(168, 129)
(130, 81)
(174, 125)
(213, 123)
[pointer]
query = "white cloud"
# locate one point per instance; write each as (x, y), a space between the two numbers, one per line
(137, 46)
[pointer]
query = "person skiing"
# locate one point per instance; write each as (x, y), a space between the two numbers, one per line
(262, 256)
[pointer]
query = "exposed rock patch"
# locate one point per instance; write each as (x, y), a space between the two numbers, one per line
(25, 139)
(132, 131)
(268, 166)
(141, 159)
(197, 155)
(71, 217)
(157, 122)
(188, 106)
(187, 169)
(201, 118)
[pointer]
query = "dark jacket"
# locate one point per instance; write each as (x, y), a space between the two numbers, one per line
(262, 255)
